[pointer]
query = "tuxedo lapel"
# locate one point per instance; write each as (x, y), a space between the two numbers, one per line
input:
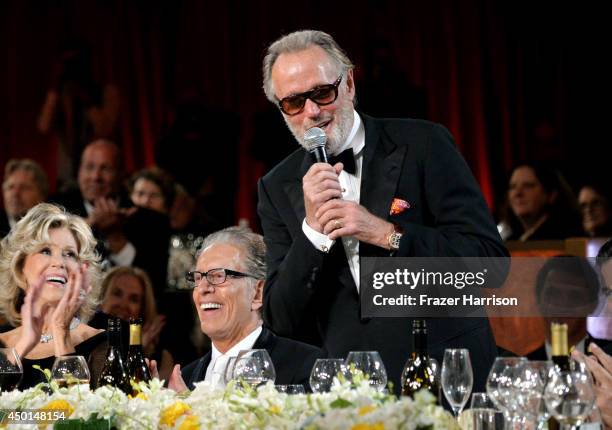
(382, 161)
(293, 188)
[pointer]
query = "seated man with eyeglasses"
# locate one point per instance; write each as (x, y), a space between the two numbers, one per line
(228, 295)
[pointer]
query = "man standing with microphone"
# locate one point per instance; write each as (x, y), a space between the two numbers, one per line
(391, 188)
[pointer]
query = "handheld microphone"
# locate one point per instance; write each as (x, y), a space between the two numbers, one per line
(315, 140)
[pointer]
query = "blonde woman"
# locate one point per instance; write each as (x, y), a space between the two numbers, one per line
(49, 285)
(127, 293)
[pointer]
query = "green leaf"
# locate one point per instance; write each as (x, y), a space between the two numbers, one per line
(92, 423)
(340, 403)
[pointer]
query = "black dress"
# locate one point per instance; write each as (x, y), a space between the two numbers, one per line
(93, 349)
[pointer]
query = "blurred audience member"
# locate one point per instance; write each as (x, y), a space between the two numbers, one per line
(127, 293)
(76, 108)
(567, 291)
(124, 231)
(541, 205)
(594, 203)
(601, 324)
(25, 185)
(152, 188)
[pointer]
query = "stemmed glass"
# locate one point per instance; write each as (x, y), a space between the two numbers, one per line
(529, 388)
(11, 370)
(370, 363)
(500, 386)
(457, 378)
(570, 397)
(228, 372)
(70, 370)
(323, 373)
(254, 367)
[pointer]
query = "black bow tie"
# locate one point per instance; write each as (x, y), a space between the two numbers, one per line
(347, 158)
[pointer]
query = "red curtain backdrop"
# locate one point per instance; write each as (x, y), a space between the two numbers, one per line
(504, 79)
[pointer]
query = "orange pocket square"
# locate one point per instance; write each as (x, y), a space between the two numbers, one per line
(398, 206)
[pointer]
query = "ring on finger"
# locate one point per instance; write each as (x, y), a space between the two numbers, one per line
(337, 224)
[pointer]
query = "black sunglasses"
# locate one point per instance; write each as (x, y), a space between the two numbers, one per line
(322, 95)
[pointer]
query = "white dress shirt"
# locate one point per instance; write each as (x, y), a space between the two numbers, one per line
(218, 360)
(351, 188)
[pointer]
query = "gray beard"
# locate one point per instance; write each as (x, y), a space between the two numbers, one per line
(336, 137)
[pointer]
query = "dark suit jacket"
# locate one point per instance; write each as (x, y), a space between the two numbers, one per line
(292, 360)
(309, 293)
(147, 230)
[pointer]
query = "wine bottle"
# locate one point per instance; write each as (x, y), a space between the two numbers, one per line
(114, 373)
(559, 344)
(420, 371)
(136, 366)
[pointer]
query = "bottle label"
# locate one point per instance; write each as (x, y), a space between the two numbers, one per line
(135, 334)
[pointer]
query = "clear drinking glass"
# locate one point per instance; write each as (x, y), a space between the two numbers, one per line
(569, 397)
(254, 367)
(370, 363)
(228, 372)
(457, 378)
(291, 389)
(11, 370)
(500, 387)
(70, 370)
(323, 373)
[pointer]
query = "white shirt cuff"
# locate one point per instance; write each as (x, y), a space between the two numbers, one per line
(319, 240)
(125, 257)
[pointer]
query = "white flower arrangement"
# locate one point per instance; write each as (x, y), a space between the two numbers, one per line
(355, 406)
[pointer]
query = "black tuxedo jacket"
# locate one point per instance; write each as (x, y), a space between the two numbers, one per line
(292, 360)
(310, 294)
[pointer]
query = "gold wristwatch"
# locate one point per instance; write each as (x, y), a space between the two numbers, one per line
(394, 238)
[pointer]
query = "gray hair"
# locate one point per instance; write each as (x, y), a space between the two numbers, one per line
(244, 238)
(28, 165)
(26, 238)
(299, 41)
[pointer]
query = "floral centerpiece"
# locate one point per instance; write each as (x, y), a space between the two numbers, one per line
(355, 406)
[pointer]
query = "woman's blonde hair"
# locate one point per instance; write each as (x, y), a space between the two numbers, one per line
(28, 236)
(148, 309)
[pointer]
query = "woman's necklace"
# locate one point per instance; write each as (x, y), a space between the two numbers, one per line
(48, 337)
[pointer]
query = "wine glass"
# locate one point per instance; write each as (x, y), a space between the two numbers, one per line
(228, 372)
(291, 389)
(500, 385)
(323, 373)
(254, 367)
(457, 378)
(531, 381)
(70, 370)
(569, 397)
(11, 370)
(370, 363)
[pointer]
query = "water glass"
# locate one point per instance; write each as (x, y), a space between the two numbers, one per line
(70, 370)
(291, 389)
(500, 385)
(323, 373)
(457, 378)
(370, 363)
(569, 397)
(254, 367)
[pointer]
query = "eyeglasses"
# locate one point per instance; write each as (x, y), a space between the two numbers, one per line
(322, 95)
(214, 276)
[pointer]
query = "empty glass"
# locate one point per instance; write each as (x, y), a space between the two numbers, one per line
(70, 370)
(254, 367)
(500, 386)
(457, 378)
(11, 370)
(370, 363)
(483, 412)
(323, 373)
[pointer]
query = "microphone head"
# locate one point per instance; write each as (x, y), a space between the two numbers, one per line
(314, 138)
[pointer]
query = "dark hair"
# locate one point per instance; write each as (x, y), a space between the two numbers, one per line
(573, 265)
(160, 178)
(604, 254)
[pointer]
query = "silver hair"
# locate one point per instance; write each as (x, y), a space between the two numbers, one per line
(251, 243)
(299, 41)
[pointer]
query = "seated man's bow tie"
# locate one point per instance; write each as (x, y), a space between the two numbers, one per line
(347, 158)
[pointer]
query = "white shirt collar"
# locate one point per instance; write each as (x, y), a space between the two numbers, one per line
(246, 343)
(356, 138)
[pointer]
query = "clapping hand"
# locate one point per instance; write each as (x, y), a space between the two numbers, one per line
(175, 382)
(32, 319)
(600, 366)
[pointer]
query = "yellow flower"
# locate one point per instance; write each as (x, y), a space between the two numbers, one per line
(364, 410)
(170, 414)
(366, 426)
(59, 405)
(190, 423)
(274, 409)
(140, 395)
